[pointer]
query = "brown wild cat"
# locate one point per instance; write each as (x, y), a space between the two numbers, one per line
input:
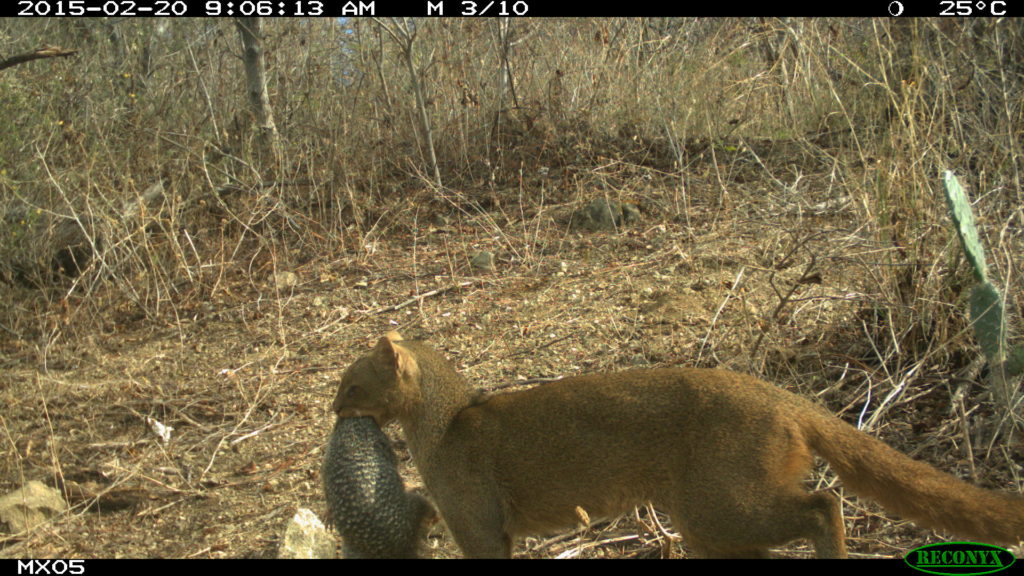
(723, 453)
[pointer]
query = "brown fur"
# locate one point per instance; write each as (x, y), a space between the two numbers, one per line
(723, 453)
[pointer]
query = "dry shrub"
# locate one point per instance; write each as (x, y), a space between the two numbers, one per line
(526, 115)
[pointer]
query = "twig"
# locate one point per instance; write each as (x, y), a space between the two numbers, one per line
(809, 276)
(596, 544)
(257, 431)
(889, 400)
(12, 332)
(736, 283)
(661, 528)
(542, 346)
(961, 412)
(44, 52)
(152, 511)
(524, 383)
(421, 297)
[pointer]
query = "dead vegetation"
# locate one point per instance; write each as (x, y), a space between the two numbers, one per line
(791, 225)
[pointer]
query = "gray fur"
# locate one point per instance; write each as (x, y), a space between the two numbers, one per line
(366, 499)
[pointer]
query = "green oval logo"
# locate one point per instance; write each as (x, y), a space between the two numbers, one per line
(959, 558)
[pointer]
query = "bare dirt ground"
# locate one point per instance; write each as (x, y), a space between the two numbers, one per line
(781, 285)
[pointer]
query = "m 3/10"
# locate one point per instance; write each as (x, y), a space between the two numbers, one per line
(108, 8)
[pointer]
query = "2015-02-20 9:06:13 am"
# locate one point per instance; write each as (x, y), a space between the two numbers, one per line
(179, 8)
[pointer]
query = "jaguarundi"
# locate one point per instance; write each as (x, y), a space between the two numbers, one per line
(723, 453)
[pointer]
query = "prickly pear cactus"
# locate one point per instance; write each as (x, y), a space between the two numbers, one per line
(989, 322)
(963, 218)
(986, 303)
(1015, 363)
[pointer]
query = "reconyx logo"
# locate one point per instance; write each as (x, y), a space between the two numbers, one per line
(959, 558)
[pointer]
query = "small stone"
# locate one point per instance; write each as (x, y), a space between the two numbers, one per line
(30, 505)
(306, 538)
(604, 214)
(483, 260)
(286, 280)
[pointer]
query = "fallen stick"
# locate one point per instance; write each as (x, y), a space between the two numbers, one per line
(421, 297)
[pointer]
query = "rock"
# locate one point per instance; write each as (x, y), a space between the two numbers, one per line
(603, 214)
(440, 220)
(483, 260)
(285, 280)
(307, 538)
(30, 505)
